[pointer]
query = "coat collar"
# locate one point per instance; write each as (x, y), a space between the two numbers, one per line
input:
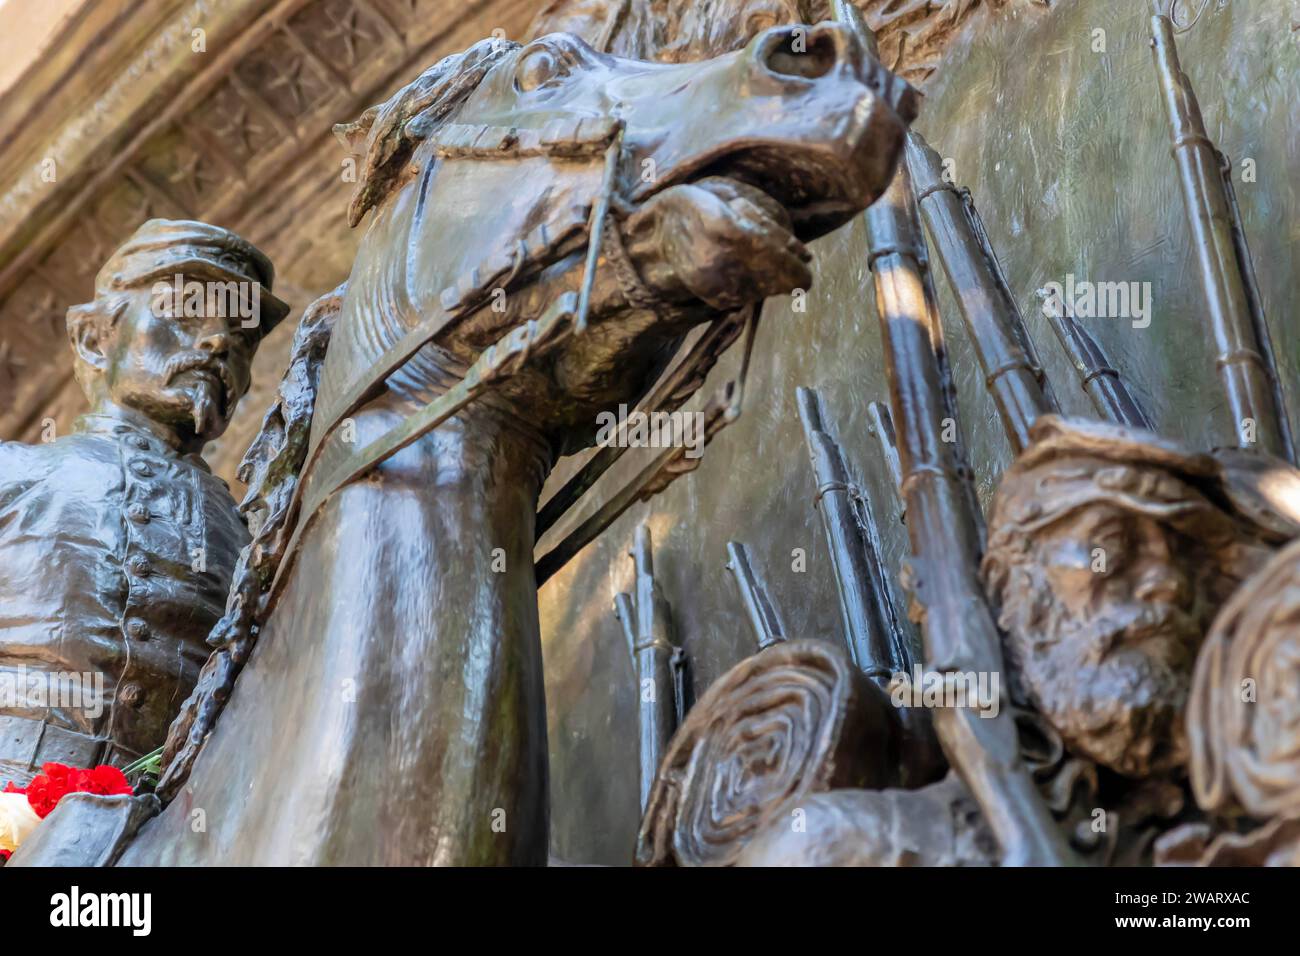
(116, 421)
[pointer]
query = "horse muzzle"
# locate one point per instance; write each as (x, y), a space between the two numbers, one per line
(804, 113)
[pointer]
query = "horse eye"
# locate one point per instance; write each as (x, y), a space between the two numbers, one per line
(537, 69)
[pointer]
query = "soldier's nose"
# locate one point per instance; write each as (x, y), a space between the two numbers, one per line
(1160, 585)
(217, 343)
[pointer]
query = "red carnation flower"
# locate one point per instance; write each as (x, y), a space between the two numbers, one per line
(48, 787)
(57, 780)
(105, 780)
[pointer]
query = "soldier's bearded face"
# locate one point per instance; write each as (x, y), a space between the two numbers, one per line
(1103, 628)
(185, 372)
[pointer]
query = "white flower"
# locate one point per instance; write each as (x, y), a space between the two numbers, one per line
(17, 820)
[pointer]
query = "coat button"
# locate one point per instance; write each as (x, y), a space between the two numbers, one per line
(132, 695)
(142, 468)
(138, 513)
(139, 565)
(137, 629)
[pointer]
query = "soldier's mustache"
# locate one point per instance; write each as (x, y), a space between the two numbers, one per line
(1118, 630)
(189, 361)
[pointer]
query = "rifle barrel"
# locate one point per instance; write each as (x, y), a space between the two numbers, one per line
(1012, 372)
(1100, 380)
(625, 611)
(875, 644)
(655, 659)
(1245, 361)
(758, 607)
(882, 426)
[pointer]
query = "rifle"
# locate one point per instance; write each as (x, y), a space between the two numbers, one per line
(876, 639)
(1100, 381)
(1245, 360)
(758, 608)
(647, 627)
(960, 633)
(1012, 372)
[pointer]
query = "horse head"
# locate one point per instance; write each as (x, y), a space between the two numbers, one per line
(805, 114)
(484, 174)
(504, 181)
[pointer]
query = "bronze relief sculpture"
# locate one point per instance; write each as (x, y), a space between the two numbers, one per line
(116, 542)
(1109, 553)
(547, 223)
(1241, 727)
(603, 222)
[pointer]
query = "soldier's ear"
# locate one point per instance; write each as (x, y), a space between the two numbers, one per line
(87, 333)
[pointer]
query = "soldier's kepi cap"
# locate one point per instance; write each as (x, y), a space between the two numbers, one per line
(164, 248)
(1071, 463)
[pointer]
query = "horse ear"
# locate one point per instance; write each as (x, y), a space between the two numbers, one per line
(353, 135)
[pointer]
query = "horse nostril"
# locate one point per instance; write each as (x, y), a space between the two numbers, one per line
(801, 51)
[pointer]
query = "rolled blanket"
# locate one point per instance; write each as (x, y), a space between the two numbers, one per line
(794, 719)
(1244, 708)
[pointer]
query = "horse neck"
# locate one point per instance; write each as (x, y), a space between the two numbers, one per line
(490, 473)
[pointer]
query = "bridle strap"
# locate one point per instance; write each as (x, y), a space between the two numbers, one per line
(566, 316)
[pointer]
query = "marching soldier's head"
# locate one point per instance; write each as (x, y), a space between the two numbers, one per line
(1110, 550)
(178, 312)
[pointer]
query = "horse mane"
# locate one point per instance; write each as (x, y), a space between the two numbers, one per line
(271, 469)
(387, 134)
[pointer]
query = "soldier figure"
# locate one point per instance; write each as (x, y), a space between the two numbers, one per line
(1110, 552)
(116, 542)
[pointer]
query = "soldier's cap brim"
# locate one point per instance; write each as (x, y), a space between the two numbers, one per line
(1054, 436)
(1262, 490)
(271, 308)
(167, 248)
